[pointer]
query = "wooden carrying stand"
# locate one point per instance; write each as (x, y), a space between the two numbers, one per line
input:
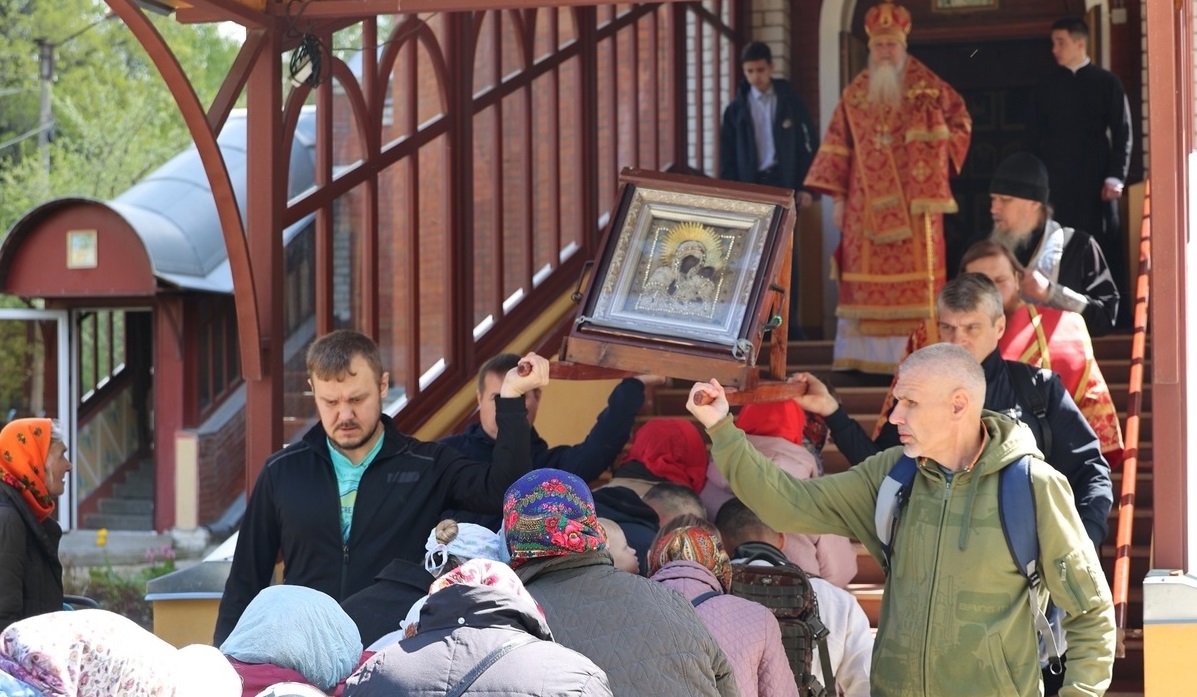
(689, 277)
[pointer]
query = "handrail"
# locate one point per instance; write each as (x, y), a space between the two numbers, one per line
(1134, 406)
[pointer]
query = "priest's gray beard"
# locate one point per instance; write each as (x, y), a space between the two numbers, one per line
(885, 83)
(1014, 241)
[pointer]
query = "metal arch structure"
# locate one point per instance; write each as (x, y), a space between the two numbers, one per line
(252, 235)
(255, 259)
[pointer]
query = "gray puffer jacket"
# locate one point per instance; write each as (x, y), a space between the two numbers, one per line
(645, 636)
(459, 626)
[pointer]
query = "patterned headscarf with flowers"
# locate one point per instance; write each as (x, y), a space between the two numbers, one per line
(550, 513)
(24, 446)
(692, 544)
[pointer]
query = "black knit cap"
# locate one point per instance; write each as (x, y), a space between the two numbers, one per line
(1021, 175)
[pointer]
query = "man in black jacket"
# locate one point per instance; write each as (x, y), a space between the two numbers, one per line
(587, 459)
(970, 315)
(356, 493)
(1066, 268)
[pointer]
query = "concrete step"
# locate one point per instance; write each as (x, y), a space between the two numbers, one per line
(1114, 346)
(112, 521)
(127, 506)
(135, 488)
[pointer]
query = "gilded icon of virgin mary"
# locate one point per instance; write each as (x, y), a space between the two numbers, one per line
(686, 274)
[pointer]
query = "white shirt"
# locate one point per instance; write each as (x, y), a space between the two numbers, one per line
(763, 105)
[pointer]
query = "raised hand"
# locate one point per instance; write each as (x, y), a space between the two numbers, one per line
(531, 373)
(708, 402)
(818, 399)
(1034, 286)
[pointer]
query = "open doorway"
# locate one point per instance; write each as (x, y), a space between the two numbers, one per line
(35, 378)
(114, 414)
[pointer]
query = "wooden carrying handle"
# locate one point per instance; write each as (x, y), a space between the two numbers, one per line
(523, 368)
(763, 392)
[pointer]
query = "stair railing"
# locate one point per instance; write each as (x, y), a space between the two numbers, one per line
(1134, 407)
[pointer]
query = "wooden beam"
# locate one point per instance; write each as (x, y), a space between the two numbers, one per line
(247, 13)
(234, 82)
(248, 327)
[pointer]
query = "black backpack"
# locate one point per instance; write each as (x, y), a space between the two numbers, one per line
(785, 589)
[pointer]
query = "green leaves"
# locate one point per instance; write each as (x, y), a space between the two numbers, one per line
(115, 120)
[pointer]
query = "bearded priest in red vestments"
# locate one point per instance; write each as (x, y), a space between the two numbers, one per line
(896, 136)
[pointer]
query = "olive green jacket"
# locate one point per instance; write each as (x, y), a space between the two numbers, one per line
(955, 621)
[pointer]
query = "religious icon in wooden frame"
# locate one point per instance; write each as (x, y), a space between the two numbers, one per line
(684, 283)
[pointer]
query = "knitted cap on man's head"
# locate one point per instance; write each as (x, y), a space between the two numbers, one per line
(550, 513)
(1021, 175)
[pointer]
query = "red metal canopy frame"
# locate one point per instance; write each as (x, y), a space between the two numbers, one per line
(254, 244)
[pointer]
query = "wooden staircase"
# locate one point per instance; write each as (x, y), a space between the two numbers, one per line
(864, 403)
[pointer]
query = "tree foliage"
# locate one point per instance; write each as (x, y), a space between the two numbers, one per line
(115, 119)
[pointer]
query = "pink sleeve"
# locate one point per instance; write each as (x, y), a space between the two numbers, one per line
(801, 550)
(837, 559)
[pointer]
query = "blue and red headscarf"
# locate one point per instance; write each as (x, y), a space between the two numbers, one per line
(550, 513)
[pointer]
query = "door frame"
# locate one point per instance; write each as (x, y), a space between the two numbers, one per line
(66, 509)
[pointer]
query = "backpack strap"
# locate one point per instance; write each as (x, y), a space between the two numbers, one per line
(699, 600)
(891, 497)
(760, 551)
(1016, 509)
(1024, 378)
(491, 658)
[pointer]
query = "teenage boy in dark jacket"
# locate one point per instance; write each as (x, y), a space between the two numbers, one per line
(767, 136)
(355, 492)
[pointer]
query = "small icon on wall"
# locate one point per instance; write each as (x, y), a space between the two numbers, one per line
(82, 249)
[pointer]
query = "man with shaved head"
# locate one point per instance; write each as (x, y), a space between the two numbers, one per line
(956, 618)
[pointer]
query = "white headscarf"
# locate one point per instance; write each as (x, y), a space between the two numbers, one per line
(472, 542)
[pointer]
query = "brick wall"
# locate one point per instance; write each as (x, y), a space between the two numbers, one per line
(221, 467)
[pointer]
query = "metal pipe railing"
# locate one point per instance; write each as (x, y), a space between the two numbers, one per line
(1134, 406)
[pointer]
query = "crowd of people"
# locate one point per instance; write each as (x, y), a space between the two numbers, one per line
(485, 563)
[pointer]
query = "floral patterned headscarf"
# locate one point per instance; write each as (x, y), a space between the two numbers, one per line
(692, 544)
(550, 513)
(24, 446)
(96, 653)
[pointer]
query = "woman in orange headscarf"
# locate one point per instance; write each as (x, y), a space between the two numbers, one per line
(33, 467)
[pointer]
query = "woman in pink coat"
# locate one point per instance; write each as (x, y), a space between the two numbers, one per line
(782, 432)
(688, 557)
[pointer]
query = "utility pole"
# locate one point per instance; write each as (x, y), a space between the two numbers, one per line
(45, 59)
(47, 74)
